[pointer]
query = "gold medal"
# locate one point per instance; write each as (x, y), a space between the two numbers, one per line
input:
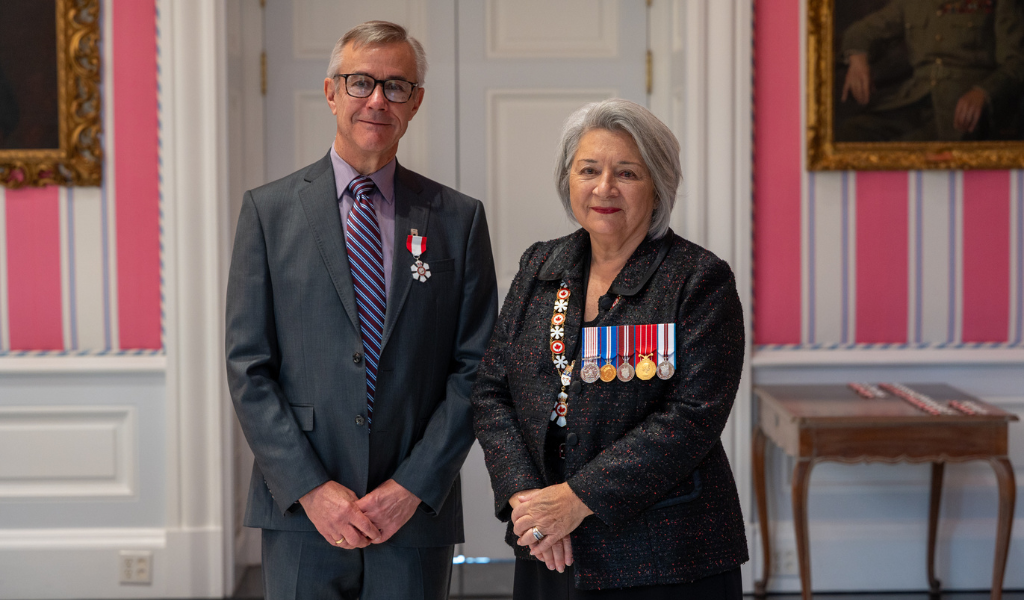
(646, 368)
(607, 373)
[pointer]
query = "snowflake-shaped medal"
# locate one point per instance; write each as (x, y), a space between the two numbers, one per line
(420, 271)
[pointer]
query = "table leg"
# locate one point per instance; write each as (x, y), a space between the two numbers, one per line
(761, 495)
(1007, 497)
(938, 469)
(801, 481)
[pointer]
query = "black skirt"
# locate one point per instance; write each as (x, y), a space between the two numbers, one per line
(533, 581)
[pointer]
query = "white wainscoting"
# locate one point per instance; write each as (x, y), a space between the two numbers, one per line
(67, 451)
(544, 29)
(83, 563)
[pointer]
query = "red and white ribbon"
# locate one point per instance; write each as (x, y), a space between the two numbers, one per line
(416, 244)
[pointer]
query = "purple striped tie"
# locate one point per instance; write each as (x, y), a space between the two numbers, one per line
(366, 260)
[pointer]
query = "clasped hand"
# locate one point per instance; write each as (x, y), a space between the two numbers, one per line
(555, 511)
(349, 522)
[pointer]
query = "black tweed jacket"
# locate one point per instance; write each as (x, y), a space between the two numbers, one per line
(647, 457)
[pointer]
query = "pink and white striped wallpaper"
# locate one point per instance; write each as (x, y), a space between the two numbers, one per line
(80, 268)
(919, 259)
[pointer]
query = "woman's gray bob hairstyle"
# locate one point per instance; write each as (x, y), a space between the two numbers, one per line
(658, 148)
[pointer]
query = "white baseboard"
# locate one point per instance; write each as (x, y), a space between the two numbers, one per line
(83, 563)
(891, 556)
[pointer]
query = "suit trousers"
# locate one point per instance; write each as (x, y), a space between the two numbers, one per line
(300, 565)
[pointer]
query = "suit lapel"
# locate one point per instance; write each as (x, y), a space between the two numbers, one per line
(412, 211)
(319, 200)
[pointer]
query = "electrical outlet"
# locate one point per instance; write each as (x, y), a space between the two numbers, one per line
(784, 562)
(136, 566)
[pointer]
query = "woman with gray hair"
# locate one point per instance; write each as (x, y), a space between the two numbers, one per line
(602, 396)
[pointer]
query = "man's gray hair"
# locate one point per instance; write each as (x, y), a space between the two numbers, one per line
(378, 32)
(659, 150)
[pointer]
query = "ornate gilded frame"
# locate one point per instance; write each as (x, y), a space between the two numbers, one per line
(79, 160)
(824, 154)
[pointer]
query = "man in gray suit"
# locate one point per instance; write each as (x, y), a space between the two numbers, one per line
(360, 299)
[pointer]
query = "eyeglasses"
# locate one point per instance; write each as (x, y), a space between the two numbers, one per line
(361, 86)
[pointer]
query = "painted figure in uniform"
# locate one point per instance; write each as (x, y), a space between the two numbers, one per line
(968, 72)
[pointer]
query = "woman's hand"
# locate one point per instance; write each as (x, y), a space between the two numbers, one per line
(555, 511)
(558, 556)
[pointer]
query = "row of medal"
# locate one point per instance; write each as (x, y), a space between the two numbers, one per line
(622, 351)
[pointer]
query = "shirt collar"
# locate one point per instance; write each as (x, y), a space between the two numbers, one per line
(383, 178)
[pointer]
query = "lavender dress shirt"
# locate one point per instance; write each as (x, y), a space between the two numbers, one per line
(383, 205)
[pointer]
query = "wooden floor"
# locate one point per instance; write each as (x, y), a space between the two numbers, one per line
(494, 582)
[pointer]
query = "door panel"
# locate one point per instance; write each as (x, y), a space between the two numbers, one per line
(523, 68)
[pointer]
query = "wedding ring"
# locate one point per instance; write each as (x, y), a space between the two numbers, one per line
(339, 542)
(537, 535)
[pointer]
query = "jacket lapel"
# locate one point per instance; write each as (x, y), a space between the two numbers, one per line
(319, 200)
(412, 211)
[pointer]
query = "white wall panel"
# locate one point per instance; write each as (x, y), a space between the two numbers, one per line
(317, 24)
(314, 127)
(82, 449)
(552, 29)
(523, 127)
(67, 451)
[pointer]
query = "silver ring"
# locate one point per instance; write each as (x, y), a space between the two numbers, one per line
(537, 535)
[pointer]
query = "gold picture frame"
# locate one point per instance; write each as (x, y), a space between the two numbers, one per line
(78, 159)
(824, 153)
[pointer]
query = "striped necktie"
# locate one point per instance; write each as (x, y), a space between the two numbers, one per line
(366, 260)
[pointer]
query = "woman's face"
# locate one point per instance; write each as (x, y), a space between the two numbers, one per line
(610, 189)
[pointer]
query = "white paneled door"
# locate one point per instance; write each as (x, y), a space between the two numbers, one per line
(503, 77)
(524, 66)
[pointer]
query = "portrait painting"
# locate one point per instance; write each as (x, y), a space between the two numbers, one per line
(915, 84)
(50, 129)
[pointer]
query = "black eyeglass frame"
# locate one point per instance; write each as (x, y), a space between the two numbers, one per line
(381, 82)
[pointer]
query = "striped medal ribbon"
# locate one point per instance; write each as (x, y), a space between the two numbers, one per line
(609, 349)
(625, 370)
(645, 348)
(590, 371)
(666, 350)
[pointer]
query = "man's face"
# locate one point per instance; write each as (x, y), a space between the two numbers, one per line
(369, 128)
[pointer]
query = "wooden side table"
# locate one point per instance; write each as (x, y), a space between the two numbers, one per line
(815, 423)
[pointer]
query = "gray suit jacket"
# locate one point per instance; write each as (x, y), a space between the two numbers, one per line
(297, 384)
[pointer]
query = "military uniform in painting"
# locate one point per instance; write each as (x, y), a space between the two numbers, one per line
(954, 47)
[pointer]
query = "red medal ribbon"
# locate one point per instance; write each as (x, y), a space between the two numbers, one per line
(416, 244)
(646, 337)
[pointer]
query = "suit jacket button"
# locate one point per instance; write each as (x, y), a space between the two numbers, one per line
(357, 357)
(572, 439)
(360, 420)
(575, 387)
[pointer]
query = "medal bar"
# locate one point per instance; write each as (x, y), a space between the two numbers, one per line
(625, 370)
